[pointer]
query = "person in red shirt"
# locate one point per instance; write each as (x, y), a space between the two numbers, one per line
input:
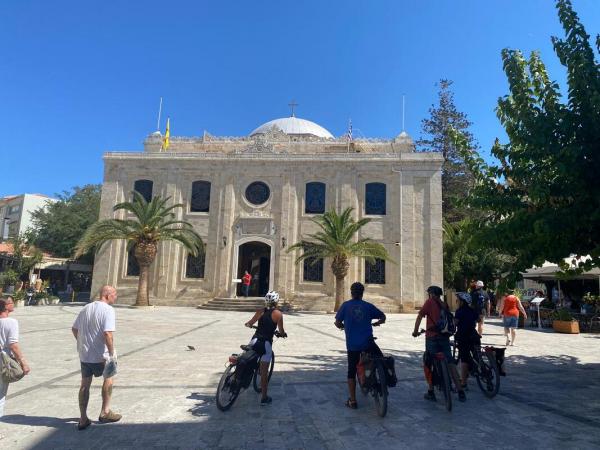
(436, 342)
(246, 280)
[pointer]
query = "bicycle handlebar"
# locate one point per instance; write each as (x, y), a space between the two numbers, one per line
(277, 333)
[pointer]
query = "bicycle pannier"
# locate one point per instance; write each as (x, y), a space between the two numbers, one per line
(245, 367)
(390, 370)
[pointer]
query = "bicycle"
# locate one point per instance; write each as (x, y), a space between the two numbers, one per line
(241, 371)
(485, 372)
(440, 374)
(372, 379)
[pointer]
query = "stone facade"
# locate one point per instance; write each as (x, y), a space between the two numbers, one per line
(411, 228)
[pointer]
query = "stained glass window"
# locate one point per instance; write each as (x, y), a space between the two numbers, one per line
(144, 187)
(375, 273)
(315, 198)
(257, 193)
(195, 266)
(200, 196)
(375, 199)
(133, 268)
(313, 270)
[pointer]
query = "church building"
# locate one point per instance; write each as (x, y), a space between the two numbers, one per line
(252, 197)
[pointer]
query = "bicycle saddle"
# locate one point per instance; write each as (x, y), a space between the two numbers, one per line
(246, 347)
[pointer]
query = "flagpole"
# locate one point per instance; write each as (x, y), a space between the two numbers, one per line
(403, 109)
(159, 111)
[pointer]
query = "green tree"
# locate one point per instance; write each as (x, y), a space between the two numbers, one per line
(153, 222)
(24, 256)
(543, 196)
(60, 225)
(456, 177)
(337, 240)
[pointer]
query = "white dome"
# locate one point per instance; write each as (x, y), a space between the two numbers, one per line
(294, 126)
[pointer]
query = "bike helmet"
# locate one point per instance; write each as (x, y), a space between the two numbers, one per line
(465, 297)
(272, 298)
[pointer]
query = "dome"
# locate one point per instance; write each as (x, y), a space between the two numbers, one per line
(294, 126)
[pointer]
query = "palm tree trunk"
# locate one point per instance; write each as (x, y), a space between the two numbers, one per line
(143, 296)
(339, 292)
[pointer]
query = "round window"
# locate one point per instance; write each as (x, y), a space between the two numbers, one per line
(257, 193)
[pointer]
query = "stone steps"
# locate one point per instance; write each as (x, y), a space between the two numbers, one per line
(247, 304)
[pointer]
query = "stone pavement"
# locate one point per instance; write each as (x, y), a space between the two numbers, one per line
(550, 398)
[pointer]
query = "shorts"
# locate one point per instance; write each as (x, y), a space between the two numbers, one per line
(89, 369)
(439, 344)
(354, 358)
(510, 321)
(266, 353)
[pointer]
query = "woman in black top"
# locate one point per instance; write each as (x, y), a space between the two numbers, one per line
(466, 336)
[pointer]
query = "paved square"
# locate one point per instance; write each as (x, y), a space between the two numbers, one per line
(550, 398)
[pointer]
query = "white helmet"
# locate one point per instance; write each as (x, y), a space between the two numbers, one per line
(272, 298)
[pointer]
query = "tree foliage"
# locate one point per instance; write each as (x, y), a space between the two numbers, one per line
(58, 226)
(456, 177)
(152, 223)
(24, 255)
(337, 240)
(543, 197)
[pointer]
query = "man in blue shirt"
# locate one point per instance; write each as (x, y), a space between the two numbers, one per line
(355, 316)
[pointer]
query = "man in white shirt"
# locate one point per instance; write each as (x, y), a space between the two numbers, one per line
(93, 328)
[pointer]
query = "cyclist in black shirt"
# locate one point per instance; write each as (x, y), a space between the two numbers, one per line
(466, 337)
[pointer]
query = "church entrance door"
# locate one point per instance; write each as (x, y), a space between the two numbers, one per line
(255, 257)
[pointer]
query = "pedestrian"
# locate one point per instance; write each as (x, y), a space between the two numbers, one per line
(9, 343)
(509, 307)
(481, 304)
(93, 328)
(246, 280)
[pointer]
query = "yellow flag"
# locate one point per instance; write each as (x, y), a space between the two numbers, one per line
(165, 144)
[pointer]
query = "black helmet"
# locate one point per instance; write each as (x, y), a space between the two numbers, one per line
(357, 288)
(435, 290)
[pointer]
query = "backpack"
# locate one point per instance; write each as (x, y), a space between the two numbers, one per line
(445, 326)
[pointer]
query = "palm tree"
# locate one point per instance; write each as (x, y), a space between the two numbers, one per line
(336, 240)
(154, 222)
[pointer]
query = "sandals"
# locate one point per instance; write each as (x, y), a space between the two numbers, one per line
(84, 425)
(351, 404)
(109, 418)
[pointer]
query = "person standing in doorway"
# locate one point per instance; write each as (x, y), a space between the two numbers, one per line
(93, 329)
(9, 343)
(246, 280)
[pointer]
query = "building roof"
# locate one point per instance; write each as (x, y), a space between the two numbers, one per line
(294, 126)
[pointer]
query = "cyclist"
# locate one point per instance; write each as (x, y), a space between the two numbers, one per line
(466, 336)
(354, 316)
(435, 342)
(269, 319)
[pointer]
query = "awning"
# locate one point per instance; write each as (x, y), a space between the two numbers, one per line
(548, 272)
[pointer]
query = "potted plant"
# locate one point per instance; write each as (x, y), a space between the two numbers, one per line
(53, 300)
(9, 279)
(40, 298)
(19, 298)
(564, 322)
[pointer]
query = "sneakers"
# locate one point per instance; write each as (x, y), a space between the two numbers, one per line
(462, 397)
(110, 417)
(430, 396)
(265, 401)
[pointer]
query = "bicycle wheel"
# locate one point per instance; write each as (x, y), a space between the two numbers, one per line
(227, 391)
(256, 376)
(380, 389)
(488, 375)
(444, 380)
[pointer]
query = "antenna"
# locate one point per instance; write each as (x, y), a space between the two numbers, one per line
(403, 110)
(159, 111)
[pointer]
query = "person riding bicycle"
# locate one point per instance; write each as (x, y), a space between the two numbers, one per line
(354, 317)
(269, 319)
(466, 337)
(436, 342)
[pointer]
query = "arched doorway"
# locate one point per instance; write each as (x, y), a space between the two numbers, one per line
(255, 257)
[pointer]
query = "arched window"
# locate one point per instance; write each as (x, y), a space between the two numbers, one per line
(375, 199)
(375, 273)
(133, 268)
(313, 270)
(200, 196)
(144, 188)
(315, 198)
(194, 267)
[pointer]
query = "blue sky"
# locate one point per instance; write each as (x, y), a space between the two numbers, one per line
(78, 78)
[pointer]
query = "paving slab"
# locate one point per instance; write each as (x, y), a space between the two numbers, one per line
(550, 398)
